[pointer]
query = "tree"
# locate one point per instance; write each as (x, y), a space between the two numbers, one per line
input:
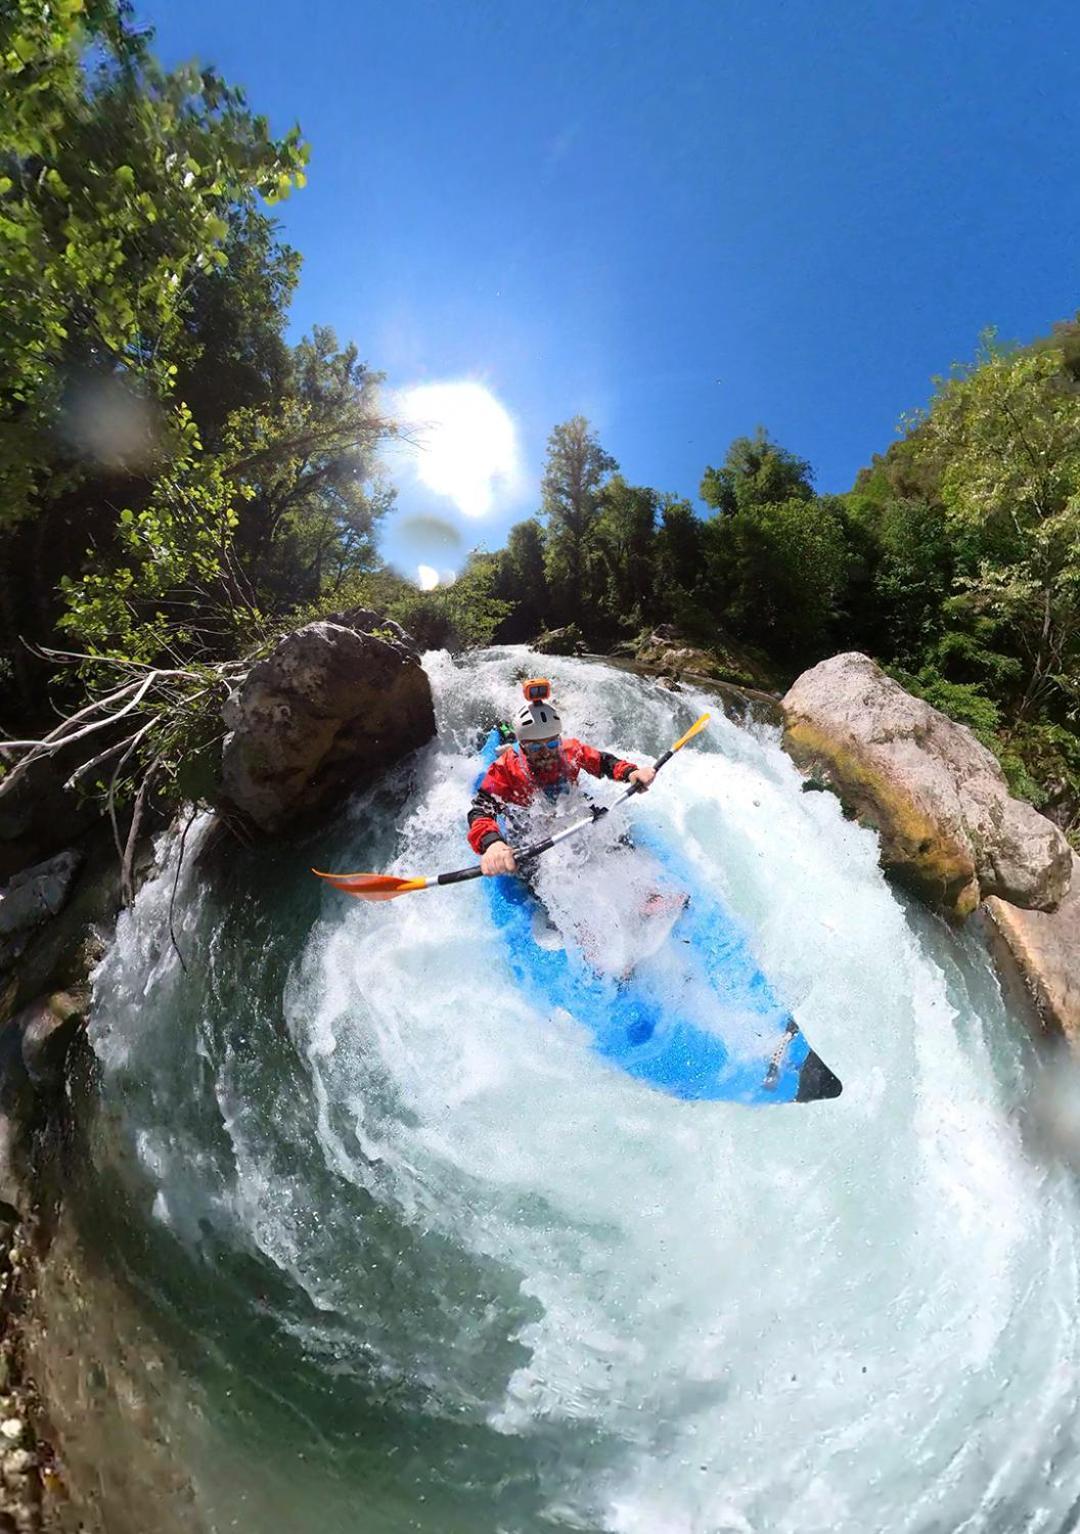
(116, 184)
(905, 558)
(231, 353)
(621, 572)
(679, 544)
(312, 500)
(465, 612)
(756, 472)
(124, 193)
(522, 582)
(1008, 433)
(576, 468)
(777, 574)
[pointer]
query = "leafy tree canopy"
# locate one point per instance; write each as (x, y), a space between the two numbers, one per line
(756, 472)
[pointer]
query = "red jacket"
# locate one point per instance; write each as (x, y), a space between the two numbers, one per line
(510, 780)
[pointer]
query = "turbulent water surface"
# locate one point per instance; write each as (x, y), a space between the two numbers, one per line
(414, 1257)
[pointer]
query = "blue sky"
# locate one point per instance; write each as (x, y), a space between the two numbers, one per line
(679, 219)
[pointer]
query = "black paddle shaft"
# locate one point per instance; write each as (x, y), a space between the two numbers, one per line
(522, 855)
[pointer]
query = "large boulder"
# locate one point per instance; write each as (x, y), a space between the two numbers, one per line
(31, 897)
(666, 649)
(1044, 949)
(335, 701)
(949, 827)
(565, 641)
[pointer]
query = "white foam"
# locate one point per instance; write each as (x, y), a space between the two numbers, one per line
(847, 1316)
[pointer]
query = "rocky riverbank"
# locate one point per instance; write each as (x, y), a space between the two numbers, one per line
(335, 703)
(949, 828)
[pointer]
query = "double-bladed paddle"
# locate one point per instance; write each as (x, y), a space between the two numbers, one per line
(387, 887)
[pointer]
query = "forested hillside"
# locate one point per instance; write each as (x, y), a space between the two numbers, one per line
(954, 560)
(178, 484)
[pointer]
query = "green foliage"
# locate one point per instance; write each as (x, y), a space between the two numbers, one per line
(231, 353)
(307, 465)
(963, 701)
(776, 573)
(756, 472)
(465, 613)
(174, 479)
(1042, 763)
(904, 572)
(118, 180)
(171, 550)
(521, 583)
(454, 617)
(570, 492)
(679, 552)
(621, 556)
(1005, 435)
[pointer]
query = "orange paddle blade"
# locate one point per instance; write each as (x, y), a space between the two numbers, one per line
(698, 724)
(371, 886)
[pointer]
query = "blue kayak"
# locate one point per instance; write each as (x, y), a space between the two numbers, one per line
(741, 1045)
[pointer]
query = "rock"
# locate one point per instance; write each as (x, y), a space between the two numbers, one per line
(31, 897)
(565, 641)
(1043, 947)
(62, 952)
(366, 621)
(47, 1027)
(949, 827)
(12, 1428)
(38, 815)
(665, 649)
(329, 706)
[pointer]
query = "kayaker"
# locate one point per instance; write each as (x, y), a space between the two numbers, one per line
(542, 762)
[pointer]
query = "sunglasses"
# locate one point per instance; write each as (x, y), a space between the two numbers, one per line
(541, 745)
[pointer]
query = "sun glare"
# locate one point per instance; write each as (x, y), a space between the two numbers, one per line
(427, 578)
(466, 445)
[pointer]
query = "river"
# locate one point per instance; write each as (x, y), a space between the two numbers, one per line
(395, 1250)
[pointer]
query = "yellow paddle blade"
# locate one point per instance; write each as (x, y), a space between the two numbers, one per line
(371, 886)
(698, 724)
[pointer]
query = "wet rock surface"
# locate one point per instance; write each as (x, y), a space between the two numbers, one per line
(565, 641)
(30, 1478)
(1044, 946)
(949, 828)
(31, 897)
(334, 703)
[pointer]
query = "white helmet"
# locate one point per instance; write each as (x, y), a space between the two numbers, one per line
(537, 721)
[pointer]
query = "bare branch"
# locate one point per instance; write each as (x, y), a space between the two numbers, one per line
(176, 881)
(103, 756)
(55, 739)
(127, 887)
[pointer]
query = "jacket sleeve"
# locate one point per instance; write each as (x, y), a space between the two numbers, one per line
(602, 764)
(484, 811)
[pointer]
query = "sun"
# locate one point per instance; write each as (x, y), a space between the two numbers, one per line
(466, 443)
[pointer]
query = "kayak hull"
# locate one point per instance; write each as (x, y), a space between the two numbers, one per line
(740, 1045)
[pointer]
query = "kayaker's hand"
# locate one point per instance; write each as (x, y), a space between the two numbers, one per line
(643, 776)
(498, 859)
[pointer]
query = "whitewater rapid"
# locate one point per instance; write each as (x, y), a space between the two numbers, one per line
(454, 1271)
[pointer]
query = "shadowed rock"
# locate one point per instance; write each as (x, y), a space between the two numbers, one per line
(1044, 947)
(31, 897)
(336, 701)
